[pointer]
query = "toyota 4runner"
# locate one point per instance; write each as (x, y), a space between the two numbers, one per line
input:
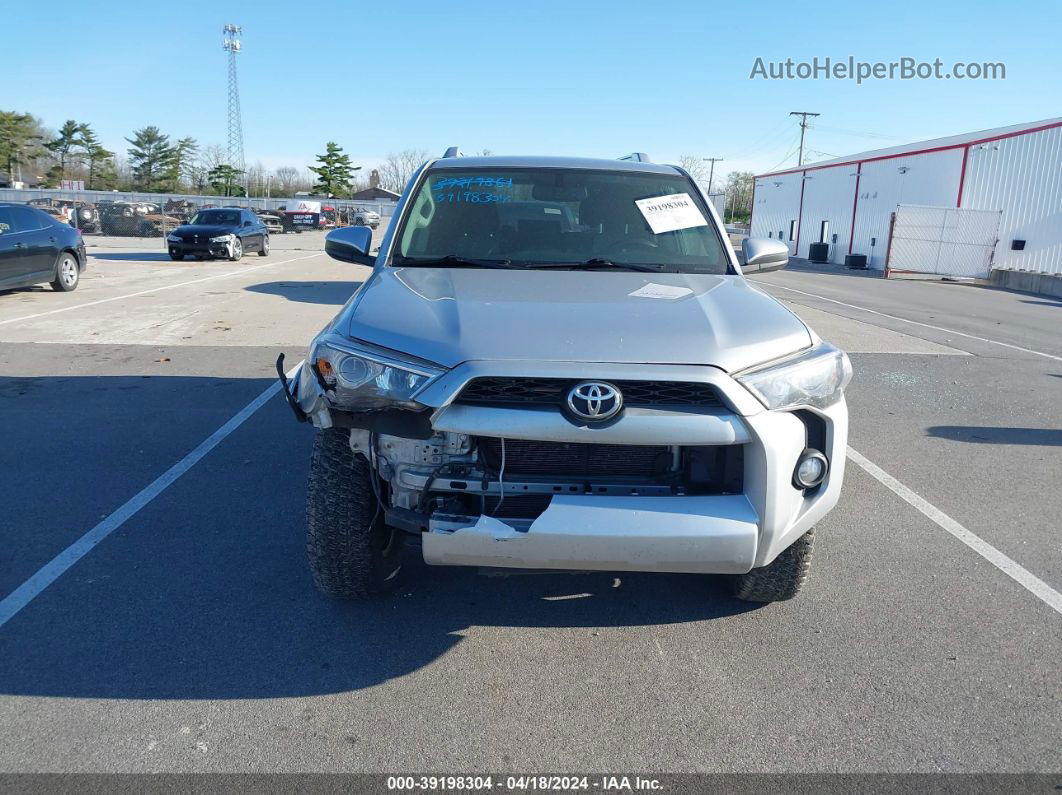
(558, 363)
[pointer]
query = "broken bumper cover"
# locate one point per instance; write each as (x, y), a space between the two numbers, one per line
(709, 533)
(714, 535)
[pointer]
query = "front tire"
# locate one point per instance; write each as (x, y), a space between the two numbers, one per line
(353, 554)
(237, 250)
(264, 251)
(67, 273)
(782, 578)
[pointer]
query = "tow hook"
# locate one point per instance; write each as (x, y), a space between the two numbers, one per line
(300, 415)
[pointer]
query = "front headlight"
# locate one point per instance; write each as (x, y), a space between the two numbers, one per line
(362, 377)
(173, 239)
(221, 239)
(814, 378)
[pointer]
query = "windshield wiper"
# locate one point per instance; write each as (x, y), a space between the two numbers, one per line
(598, 262)
(454, 261)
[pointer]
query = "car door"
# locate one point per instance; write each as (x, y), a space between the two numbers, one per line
(10, 264)
(39, 238)
(254, 229)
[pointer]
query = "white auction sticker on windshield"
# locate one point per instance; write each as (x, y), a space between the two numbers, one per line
(668, 213)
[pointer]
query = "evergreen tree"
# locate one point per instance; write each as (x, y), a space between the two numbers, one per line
(150, 156)
(183, 161)
(333, 172)
(20, 141)
(63, 146)
(224, 179)
(96, 156)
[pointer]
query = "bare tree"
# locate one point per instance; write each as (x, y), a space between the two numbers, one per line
(739, 193)
(210, 157)
(255, 178)
(396, 170)
(285, 178)
(696, 168)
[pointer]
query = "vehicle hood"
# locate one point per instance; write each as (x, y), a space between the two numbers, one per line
(453, 315)
(204, 230)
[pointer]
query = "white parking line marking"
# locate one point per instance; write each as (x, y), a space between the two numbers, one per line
(158, 289)
(917, 322)
(55, 568)
(1025, 578)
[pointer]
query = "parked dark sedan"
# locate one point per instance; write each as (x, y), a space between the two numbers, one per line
(227, 232)
(36, 248)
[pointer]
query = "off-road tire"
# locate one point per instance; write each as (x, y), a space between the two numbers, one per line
(782, 578)
(351, 556)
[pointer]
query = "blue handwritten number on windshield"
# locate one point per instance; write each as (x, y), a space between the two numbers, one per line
(448, 190)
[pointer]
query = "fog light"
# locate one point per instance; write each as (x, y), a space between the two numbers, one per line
(810, 470)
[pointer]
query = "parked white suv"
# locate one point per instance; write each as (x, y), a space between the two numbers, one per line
(558, 363)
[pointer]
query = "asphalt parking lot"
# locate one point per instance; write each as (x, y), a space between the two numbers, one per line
(190, 637)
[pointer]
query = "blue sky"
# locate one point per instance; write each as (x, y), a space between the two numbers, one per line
(580, 78)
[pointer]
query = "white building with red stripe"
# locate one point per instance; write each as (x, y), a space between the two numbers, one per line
(850, 203)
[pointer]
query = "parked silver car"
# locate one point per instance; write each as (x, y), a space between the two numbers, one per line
(586, 382)
(363, 217)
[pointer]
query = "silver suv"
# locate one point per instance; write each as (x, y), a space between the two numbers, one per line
(559, 364)
(363, 217)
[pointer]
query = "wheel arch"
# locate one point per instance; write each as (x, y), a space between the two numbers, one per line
(73, 252)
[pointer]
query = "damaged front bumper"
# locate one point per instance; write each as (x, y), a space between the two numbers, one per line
(667, 534)
(593, 524)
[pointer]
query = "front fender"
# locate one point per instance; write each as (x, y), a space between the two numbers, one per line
(304, 394)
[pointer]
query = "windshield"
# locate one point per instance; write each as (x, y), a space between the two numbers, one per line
(216, 217)
(560, 216)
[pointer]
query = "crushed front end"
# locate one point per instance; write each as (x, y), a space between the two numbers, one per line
(503, 463)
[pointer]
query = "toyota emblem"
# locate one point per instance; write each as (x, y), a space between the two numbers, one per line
(594, 401)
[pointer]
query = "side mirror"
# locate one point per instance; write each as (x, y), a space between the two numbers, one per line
(763, 256)
(350, 244)
(247, 223)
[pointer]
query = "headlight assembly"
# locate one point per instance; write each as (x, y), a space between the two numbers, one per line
(361, 377)
(814, 378)
(221, 239)
(173, 239)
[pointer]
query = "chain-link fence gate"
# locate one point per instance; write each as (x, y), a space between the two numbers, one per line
(946, 241)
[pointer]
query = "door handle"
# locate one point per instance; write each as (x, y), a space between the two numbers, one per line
(20, 245)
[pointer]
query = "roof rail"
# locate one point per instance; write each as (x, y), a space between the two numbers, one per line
(638, 157)
(452, 151)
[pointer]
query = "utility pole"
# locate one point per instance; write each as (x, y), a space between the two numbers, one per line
(711, 170)
(803, 114)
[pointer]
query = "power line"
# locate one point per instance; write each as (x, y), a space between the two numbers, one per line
(803, 114)
(857, 133)
(780, 130)
(787, 155)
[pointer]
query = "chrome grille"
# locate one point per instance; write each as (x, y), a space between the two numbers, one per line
(551, 391)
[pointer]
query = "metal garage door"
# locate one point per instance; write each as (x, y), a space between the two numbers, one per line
(949, 241)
